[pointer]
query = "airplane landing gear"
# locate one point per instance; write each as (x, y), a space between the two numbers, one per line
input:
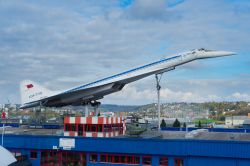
(95, 105)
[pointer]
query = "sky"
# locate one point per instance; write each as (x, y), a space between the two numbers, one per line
(60, 44)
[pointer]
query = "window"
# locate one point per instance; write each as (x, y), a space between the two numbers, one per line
(93, 128)
(104, 158)
(119, 158)
(67, 127)
(73, 127)
(87, 127)
(110, 159)
(33, 155)
(130, 159)
(16, 153)
(99, 128)
(116, 159)
(80, 130)
(136, 160)
(50, 157)
(107, 128)
(163, 161)
(146, 160)
(178, 162)
(80, 127)
(123, 159)
(62, 158)
(83, 157)
(93, 157)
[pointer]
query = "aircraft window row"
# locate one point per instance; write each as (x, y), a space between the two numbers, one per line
(203, 49)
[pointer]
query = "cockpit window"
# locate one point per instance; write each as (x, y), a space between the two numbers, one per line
(203, 49)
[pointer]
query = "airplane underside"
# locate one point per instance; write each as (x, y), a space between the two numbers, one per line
(84, 97)
(90, 95)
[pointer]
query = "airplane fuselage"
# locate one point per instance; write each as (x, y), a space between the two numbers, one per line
(96, 90)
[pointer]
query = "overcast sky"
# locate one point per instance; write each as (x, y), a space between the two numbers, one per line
(61, 44)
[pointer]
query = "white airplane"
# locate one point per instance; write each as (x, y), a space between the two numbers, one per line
(33, 95)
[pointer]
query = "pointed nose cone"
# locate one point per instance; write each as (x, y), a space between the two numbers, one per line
(214, 54)
(224, 53)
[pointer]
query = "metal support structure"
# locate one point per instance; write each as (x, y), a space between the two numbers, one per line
(186, 122)
(3, 134)
(96, 110)
(95, 105)
(86, 110)
(158, 88)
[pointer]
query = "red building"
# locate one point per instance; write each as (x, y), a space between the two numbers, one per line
(94, 126)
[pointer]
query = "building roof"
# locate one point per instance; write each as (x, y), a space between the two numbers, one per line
(147, 135)
(236, 118)
(246, 122)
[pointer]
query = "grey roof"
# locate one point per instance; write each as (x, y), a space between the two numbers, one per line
(147, 135)
(246, 121)
(237, 118)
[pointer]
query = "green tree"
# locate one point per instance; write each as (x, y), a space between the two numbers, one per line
(199, 124)
(176, 123)
(163, 124)
(184, 125)
(222, 118)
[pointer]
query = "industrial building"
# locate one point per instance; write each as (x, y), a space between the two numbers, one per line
(47, 147)
(238, 121)
(235, 121)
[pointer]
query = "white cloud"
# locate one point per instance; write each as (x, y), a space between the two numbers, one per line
(240, 96)
(144, 91)
(64, 44)
(132, 95)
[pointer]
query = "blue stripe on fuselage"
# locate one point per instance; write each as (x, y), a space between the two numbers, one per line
(124, 73)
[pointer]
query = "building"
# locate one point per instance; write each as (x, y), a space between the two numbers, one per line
(211, 148)
(94, 126)
(100, 141)
(235, 121)
(246, 123)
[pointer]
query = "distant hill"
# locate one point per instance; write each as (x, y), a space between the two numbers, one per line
(216, 110)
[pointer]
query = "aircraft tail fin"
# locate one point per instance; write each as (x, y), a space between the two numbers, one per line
(31, 91)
